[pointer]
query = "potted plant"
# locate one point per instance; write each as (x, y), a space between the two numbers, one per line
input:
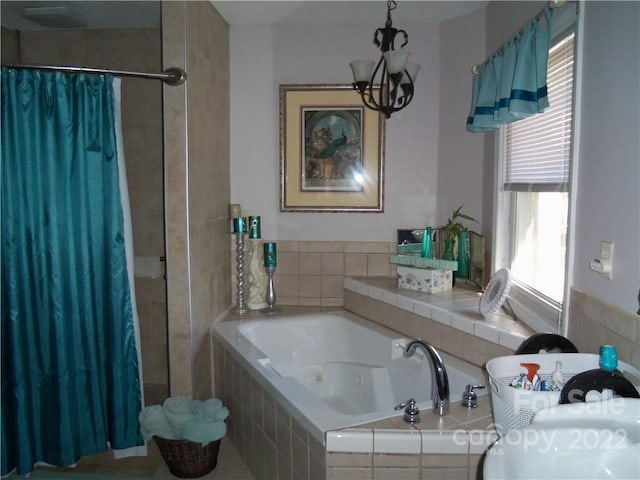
(452, 231)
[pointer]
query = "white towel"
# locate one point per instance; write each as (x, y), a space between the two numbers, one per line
(154, 422)
(178, 412)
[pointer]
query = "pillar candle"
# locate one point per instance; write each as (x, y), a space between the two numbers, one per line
(270, 255)
(254, 227)
(239, 225)
(234, 210)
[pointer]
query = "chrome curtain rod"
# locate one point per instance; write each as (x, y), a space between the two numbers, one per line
(171, 76)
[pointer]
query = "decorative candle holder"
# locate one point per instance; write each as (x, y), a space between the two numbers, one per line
(240, 305)
(270, 263)
(256, 276)
(271, 292)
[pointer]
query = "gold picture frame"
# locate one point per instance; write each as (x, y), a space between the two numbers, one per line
(331, 151)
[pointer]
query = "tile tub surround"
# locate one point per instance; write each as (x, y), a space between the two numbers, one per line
(270, 441)
(438, 447)
(449, 320)
(312, 273)
(275, 445)
(593, 322)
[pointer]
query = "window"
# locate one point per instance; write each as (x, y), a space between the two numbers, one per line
(533, 199)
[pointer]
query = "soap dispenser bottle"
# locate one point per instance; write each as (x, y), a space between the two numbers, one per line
(609, 359)
(557, 382)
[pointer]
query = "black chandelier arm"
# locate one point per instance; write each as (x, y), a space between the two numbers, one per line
(385, 38)
(368, 97)
(395, 90)
(405, 35)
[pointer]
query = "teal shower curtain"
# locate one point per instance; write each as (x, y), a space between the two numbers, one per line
(70, 368)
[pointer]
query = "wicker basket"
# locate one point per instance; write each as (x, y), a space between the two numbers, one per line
(515, 408)
(187, 459)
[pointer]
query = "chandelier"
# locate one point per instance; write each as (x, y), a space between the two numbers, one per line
(392, 77)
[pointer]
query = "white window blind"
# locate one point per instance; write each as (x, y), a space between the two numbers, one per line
(538, 148)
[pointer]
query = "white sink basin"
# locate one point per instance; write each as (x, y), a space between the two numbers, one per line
(595, 440)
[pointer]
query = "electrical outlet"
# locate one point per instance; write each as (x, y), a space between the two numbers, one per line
(606, 254)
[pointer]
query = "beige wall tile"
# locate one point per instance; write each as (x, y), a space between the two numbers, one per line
(291, 301)
(308, 302)
(288, 246)
(352, 301)
(444, 474)
(474, 349)
(432, 331)
(495, 350)
(355, 264)
(335, 459)
(366, 247)
(342, 473)
(378, 265)
(310, 286)
(322, 247)
(332, 263)
(310, 264)
(287, 263)
(451, 340)
(180, 367)
(444, 461)
(10, 46)
(332, 286)
(189, 27)
(395, 460)
(286, 286)
(391, 473)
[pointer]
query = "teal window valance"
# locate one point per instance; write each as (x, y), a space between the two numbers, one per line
(512, 84)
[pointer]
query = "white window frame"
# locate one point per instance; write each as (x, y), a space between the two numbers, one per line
(537, 311)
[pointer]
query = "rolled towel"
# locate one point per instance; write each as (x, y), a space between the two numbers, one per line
(211, 405)
(209, 410)
(178, 412)
(204, 432)
(154, 422)
(221, 414)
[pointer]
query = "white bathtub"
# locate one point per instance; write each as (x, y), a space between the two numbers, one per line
(337, 369)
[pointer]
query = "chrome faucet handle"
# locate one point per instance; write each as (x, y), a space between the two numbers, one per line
(411, 412)
(470, 397)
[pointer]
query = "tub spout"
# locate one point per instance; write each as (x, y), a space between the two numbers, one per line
(439, 378)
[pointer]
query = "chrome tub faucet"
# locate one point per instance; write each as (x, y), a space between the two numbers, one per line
(439, 378)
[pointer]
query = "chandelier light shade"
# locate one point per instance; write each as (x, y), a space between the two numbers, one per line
(392, 74)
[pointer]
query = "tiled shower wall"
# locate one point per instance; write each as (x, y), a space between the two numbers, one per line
(135, 50)
(196, 38)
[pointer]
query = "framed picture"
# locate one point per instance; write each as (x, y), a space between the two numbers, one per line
(331, 151)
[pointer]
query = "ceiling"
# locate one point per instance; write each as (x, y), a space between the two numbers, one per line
(146, 14)
(372, 13)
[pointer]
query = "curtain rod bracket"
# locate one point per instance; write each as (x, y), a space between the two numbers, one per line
(175, 76)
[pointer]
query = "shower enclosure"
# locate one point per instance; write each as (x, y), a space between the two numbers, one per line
(178, 167)
(137, 50)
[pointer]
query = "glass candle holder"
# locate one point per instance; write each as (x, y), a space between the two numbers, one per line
(254, 227)
(239, 225)
(270, 255)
